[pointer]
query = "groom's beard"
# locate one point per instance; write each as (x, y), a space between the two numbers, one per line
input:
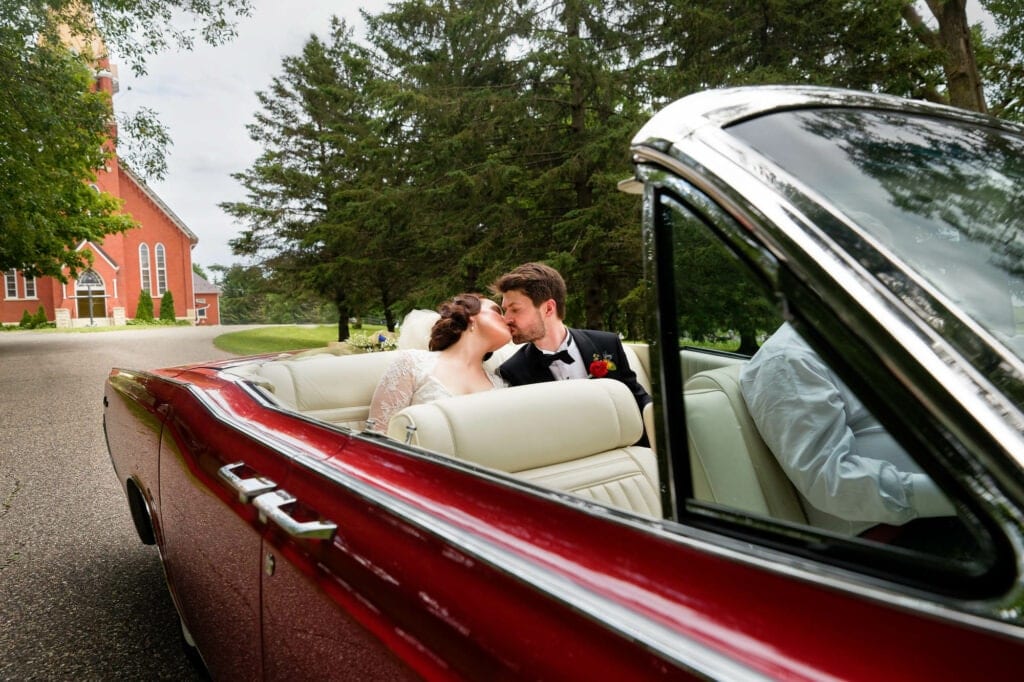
(529, 334)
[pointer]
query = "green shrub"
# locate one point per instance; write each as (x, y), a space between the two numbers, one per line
(167, 307)
(40, 318)
(144, 311)
(26, 320)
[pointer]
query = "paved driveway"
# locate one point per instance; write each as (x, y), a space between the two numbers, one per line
(80, 597)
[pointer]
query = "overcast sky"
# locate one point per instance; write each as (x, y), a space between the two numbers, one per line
(207, 96)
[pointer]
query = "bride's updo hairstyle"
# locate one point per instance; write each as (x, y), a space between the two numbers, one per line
(456, 314)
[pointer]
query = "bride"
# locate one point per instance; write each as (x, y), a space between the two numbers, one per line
(470, 328)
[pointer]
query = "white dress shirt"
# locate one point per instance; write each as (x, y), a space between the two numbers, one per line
(561, 370)
(841, 460)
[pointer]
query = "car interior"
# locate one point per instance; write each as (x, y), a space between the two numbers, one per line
(576, 437)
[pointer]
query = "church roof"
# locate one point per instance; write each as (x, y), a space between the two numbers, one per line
(97, 249)
(201, 286)
(152, 196)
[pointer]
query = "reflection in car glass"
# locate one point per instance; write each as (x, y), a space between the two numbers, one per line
(944, 198)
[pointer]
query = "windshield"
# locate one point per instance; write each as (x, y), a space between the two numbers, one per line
(945, 197)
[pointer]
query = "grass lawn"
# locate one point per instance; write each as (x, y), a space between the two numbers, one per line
(283, 337)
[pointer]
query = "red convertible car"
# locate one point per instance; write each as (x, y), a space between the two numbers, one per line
(520, 533)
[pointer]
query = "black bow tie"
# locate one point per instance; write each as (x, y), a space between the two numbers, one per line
(562, 355)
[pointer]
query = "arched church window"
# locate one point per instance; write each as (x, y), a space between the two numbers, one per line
(146, 283)
(161, 270)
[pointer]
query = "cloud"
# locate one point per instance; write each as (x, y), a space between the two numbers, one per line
(207, 96)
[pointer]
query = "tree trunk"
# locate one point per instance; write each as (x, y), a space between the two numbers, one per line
(343, 315)
(965, 88)
(963, 81)
(748, 342)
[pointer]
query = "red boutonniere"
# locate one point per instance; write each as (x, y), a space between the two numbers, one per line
(601, 365)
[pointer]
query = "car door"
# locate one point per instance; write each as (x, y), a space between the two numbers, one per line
(209, 474)
(438, 570)
(315, 622)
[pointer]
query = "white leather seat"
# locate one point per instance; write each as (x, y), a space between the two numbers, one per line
(730, 464)
(332, 388)
(575, 436)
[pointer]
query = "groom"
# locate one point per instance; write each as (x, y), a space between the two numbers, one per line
(533, 298)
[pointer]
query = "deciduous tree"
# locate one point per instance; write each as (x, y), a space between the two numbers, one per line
(53, 126)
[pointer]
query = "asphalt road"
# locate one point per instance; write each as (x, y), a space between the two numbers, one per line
(80, 597)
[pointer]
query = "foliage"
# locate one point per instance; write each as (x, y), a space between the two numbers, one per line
(33, 321)
(716, 298)
(144, 309)
(54, 127)
(167, 307)
(249, 296)
(52, 131)
(157, 323)
(1002, 59)
(311, 129)
(466, 137)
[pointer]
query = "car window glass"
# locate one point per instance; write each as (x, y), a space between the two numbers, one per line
(943, 196)
(781, 436)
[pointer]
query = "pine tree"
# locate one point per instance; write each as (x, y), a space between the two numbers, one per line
(144, 310)
(314, 213)
(167, 307)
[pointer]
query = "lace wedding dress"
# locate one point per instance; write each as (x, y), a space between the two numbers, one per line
(409, 380)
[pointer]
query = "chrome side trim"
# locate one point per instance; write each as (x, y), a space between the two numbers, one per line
(722, 106)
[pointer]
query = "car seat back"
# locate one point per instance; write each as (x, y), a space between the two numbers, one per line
(332, 388)
(575, 436)
(729, 462)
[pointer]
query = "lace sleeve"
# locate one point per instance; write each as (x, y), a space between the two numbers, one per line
(394, 391)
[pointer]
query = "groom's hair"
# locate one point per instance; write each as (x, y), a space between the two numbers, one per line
(536, 281)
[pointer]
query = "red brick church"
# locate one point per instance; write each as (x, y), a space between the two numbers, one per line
(156, 257)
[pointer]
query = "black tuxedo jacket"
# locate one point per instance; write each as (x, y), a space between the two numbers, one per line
(527, 367)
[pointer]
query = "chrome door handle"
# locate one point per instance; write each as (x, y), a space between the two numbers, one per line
(247, 488)
(270, 507)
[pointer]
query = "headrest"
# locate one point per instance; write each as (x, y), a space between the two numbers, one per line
(325, 381)
(725, 378)
(526, 427)
(414, 332)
